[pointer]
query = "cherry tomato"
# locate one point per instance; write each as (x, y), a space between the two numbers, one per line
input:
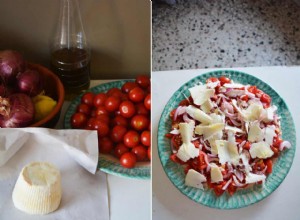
(146, 138)
(101, 110)
(78, 120)
(88, 98)
(176, 141)
(131, 138)
(112, 103)
(127, 109)
(266, 99)
(137, 94)
(128, 86)
(252, 89)
(141, 109)
(117, 133)
(269, 165)
(224, 80)
(83, 108)
(101, 127)
(104, 118)
(147, 102)
(99, 99)
(119, 120)
(231, 188)
(139, 122)
(245, 98)
(128, 160)
(143, 81)
(105, 145)
(114, 92)
(90, 123)
(120, 149)
(140, 152)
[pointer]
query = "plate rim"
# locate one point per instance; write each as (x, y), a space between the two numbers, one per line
(141, 173)
(226, 72)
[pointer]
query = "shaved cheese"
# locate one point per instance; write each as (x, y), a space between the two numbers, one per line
(217, 118)
(187, 130)
(270, 134)
(231, 136)
(261, 150)
(207, 106)
(201, 94)
(187, 151)
(198, 114)
(245, 162)
(254, 178)
(194, 179)
(227, 152)
(268, 114)
(253, 112)
(209, 131)
(233, 129)
(215, 173)
(255, 133)
(213, 149)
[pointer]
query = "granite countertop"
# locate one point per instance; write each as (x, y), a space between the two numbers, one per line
(195, 34)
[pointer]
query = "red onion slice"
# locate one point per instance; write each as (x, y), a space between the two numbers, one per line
(285, 144)
(226, 185)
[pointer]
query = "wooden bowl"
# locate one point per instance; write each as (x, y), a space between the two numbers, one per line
(54, 88)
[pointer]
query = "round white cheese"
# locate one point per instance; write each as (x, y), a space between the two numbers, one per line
(38, 189)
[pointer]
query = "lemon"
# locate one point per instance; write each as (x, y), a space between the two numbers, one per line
(43, 106)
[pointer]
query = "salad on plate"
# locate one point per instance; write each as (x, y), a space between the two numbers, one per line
(226, 135)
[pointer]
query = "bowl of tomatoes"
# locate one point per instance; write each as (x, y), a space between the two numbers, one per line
(120, 112)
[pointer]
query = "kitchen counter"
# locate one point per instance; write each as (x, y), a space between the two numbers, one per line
(207, 34)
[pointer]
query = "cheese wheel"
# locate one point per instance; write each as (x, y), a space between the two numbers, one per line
(38, 189)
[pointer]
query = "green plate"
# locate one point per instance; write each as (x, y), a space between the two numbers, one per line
(242, 197)
(108, 163)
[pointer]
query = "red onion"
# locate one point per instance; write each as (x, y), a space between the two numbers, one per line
(236, 182)
(179, 111)
(226, 185)
(16, 111)
(30, 82)
(11, 63)
(284, 144)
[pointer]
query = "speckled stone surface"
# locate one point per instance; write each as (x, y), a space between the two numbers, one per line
(225, 33)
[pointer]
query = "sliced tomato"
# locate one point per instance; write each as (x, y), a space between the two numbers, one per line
(269, 165)
(231, 188)
(202, 161)
(218, 188)
(176, 141)
(175, 159)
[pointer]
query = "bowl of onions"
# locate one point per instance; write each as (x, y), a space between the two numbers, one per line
(30, 94)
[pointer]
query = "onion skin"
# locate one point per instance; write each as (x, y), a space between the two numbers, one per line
(11, 64)
(16, 111)
(30, 82)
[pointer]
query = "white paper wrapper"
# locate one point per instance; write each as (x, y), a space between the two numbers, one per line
(81, 145)
(74, 152)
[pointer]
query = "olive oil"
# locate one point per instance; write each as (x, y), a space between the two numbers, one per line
(72, 66)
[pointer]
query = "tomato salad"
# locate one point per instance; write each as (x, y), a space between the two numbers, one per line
(226, 135)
